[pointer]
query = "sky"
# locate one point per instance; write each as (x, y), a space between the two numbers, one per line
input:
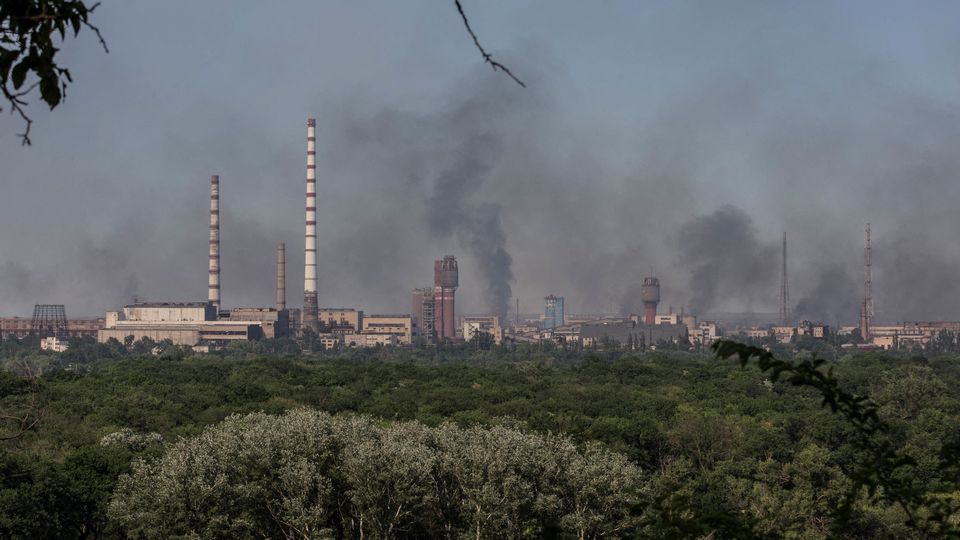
(679, 138)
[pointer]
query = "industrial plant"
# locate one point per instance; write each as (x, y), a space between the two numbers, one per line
(433, 318)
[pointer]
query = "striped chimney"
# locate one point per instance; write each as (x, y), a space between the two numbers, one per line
(310, 251)
(213, 280)
(281, 277)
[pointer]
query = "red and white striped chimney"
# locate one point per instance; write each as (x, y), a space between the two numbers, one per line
(309, 316)
(281, 277)
(213, 281)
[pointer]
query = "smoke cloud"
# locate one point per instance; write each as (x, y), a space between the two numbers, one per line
(685, 145)
(833, 298)
(726, 260)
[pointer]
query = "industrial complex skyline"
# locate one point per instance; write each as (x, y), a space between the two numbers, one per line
(575, 186)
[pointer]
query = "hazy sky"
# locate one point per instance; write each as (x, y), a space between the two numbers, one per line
(682, 137)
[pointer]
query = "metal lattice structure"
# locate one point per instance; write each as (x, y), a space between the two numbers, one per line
(49, 320)
(866, 310)
(784, 288)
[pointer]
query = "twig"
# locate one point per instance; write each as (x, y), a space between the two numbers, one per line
(487, 57)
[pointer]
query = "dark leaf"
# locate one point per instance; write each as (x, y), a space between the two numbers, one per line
(50, 91)
(19, 73)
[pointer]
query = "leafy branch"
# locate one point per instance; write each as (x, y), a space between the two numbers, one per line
(27, 33)
(878, 472)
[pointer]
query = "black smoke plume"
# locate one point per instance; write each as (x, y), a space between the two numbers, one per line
(726, 260)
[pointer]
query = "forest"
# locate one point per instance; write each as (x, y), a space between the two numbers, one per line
(113, 441)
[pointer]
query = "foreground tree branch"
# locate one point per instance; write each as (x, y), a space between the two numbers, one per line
(878, 475)
(28, 53)
(487, 57)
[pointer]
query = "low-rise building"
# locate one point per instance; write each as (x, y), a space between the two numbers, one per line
(330, 341)
(784, 333)
(21, 327)
(487, 324)
(757, 333)
(400, 326)
(814, 330)
(369, 340)
(54, 344)
(671, 318)
(15, 327)
(706, 333)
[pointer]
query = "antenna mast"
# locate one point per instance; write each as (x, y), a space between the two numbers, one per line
(866, 310)
(784, 288)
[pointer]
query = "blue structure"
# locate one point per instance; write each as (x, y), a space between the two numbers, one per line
(552, 312)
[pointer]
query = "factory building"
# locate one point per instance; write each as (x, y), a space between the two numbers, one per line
(553, 312)
(630, 332)
(339, 320)
(22, 327)
(422, 313)
(191, 324)
(486, 324)
(274, 323)
(907, 334)
(203, 325)
(400, 326)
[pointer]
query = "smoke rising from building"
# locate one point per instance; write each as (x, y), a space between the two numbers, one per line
(831, 296)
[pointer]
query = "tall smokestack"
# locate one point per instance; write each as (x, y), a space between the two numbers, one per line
(445, 282)
(213, 280)
(650, 294)
(281, 276)
(310, 250)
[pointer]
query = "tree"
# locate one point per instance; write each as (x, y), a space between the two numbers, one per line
(882, 469)
(22, 402)
(307, 474)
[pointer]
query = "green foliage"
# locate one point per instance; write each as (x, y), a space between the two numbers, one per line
(726, 451)
(882, 469)
(311, 475)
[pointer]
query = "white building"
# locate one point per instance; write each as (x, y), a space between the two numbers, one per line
(54, 344)
(487, 324)
(370, 340)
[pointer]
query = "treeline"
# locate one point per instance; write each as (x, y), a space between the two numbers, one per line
(720, 449)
